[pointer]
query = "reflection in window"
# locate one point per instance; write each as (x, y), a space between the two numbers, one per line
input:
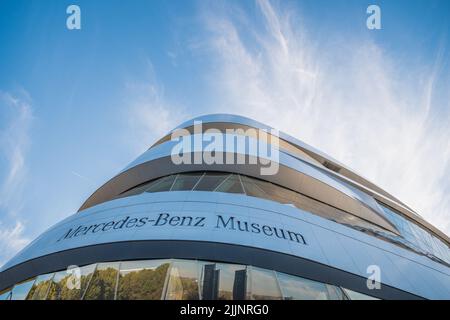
(353, 295)
(70, 286)
(40, 287)
(20, 291)
(295, 288)
(235, 183)
(231, 185)
(183, 281)
(175, 280)
(223, 281)
(185, 181)
(412, 235)
(142, 280)
(335, 293)
(262, 285)
(58, 285)
(416, 236)
(139, 189)
(163, 184)
(210, 181)
(5, 294)
(103, 283)
(252, 189)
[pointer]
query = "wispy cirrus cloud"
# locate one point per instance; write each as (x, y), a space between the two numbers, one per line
(15, 125)
(12, 239)
(347, 97)
(149, 112)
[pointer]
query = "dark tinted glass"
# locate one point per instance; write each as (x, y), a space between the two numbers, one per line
(186, 181)
(139, 189)
(231, 185)
(163, 184)
(252, 189)
(210, 181)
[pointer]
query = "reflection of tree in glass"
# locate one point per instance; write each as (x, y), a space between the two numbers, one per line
(182, 287)
(39, 291)
(190, 288)
(102, 285)
(60, 291)
(145, 284)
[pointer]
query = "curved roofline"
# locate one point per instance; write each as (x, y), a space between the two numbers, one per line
(238, 119)
(349, 175)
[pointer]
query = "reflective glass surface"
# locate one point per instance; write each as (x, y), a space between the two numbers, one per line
(20, 291)
(163, 184)
(417, 237)
(142, 280)
(210, 181)
(102, 285)
(221, 281)
(40, 287)
(232, 184)
(174, 279)
(262, 285)
(295, 288)
(186, 181)
(412, 236)
(70, 286)
(353, 295)
(5, 294)
(183, 281)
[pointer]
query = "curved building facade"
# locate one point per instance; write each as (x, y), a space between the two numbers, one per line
(224, 207)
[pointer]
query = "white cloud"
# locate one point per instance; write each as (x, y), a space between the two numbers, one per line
(149, 113)
(12, 239)
(348, 99)
(14, 142)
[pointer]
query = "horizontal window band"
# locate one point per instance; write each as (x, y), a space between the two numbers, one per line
(286, 145)
(286, 177)
(200, 250)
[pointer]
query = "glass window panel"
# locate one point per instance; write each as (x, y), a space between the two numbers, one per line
(231, 185)
(139, 189)
(58, 285)
(103, 283)
(186, 181)
(296, 288)
(142, 280)
(353, 295)
(282, 195)
(163, 184)
(183, 281)
(276, 193)
(262, 285)
(210, 181)
(418, 237)
(335, 293)
(223, 282)
(20, 291)
(5, 294)
(70, 285)
(40, 287)
(252, 189)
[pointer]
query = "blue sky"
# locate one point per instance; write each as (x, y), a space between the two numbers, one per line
(77, 105)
